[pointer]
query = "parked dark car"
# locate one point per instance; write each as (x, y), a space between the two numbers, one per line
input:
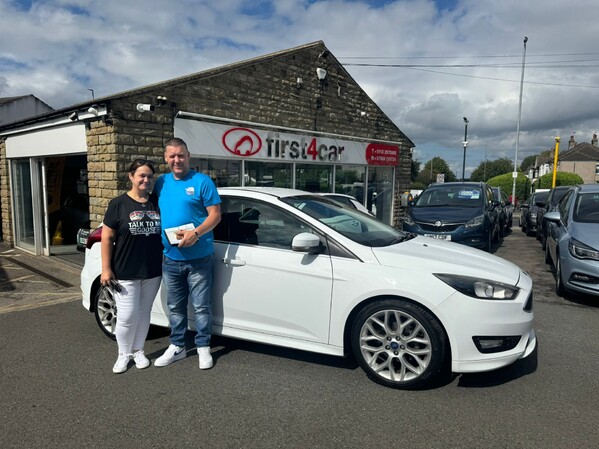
(529, 210)
(505, 210)
(462, 212)
(573, 241)
(555, 195)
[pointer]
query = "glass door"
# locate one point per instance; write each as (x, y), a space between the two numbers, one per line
(27, 200)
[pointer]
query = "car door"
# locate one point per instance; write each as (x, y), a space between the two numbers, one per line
(555, 231)
(263, 287)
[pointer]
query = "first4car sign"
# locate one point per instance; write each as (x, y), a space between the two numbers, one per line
(220, 140)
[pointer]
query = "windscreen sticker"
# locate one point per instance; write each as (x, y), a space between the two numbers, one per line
(471, 194)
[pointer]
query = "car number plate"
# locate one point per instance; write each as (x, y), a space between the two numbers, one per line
(438, 236)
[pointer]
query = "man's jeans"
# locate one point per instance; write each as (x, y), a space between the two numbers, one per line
(189, 279)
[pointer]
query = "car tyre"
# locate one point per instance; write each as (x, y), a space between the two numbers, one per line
(489, 244)
(398, 343)
(559, 284)
(105, 312)
(547, 253)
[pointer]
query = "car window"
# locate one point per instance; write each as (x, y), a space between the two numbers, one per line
(562, 206)
(453, 196)
(359, 227)
(247, 221)
(586, 208)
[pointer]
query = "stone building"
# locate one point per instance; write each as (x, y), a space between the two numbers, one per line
(293, 118)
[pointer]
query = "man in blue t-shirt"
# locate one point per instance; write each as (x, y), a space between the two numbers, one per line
(190, 208)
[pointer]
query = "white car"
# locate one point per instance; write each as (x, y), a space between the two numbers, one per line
(348, 200)
(295, 270)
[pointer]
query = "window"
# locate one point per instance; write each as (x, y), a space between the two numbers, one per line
(251, 222)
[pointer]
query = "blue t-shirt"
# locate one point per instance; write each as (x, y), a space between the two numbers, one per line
(183, 201)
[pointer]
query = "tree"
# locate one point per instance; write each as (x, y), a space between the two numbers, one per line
(528, 162)
(506, 182)
(438, 166)
(490, 169)
(562, 178)
(415, 169)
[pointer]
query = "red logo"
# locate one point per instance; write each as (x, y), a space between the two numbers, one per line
(242, 142)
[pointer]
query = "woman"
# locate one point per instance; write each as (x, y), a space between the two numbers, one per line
(132, 262)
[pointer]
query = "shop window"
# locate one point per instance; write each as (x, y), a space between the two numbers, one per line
(224, 173)
(314, 178)
(380, 192)
(349, 180)
(263, 174)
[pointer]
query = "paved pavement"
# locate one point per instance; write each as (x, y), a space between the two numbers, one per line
(28, 281)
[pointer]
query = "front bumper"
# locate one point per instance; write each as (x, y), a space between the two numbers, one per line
(494, 318)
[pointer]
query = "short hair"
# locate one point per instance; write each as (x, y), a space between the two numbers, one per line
(176, 142)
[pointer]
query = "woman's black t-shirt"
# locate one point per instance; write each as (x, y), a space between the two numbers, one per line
(137, 251)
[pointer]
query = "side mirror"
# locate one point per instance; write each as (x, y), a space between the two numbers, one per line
(555, 217)
(306, 243)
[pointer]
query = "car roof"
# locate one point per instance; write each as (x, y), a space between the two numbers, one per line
(588, 188)
(278, 192)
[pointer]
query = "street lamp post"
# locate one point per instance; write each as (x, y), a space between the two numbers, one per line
(515, 174)
(465, 145)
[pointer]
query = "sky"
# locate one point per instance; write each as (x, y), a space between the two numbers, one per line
(426, 63)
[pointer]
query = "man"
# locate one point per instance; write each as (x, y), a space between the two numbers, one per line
(190, 208)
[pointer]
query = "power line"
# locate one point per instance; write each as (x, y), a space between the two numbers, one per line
(421, 69)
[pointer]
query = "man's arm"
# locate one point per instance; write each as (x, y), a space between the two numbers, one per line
(191, 237)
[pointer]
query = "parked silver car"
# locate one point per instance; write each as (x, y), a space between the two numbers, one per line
(573, 241)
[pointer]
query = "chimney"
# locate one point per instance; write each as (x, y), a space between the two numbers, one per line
(571, 142)
(594, 140)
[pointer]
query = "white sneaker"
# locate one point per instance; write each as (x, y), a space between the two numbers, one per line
(140, 359)
(121, 364)
(205, 357)
(172, 354)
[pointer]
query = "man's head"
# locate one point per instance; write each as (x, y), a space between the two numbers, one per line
(177, 157)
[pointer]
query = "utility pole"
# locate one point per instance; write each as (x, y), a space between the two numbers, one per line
(555, 160)
(465, 145)
(515, 174)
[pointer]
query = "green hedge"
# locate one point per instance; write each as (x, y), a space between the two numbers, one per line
(523, 185)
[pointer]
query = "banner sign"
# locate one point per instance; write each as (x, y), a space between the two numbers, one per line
(220, 140)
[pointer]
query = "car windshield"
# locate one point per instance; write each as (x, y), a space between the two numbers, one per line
(586, 208)
(458, 196)
(359, 227)
(539, 197)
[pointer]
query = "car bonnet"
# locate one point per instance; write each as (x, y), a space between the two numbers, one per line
(445, 214)
(587, 233)
(435, 256)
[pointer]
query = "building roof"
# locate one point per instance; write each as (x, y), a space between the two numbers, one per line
(6, 100)
(581, 152)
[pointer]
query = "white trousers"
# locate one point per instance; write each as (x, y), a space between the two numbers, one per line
(134, 304)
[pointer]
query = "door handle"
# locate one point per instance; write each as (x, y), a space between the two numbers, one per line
(234, 262)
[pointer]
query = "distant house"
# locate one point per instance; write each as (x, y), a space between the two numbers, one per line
(13, 109)
(582, 159)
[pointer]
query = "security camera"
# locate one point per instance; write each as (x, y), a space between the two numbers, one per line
(143, 107)
(73, 116)
(93, 110)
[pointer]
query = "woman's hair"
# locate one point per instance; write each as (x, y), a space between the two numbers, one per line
(140, 163)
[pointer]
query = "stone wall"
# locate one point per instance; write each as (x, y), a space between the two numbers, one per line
(5, 203)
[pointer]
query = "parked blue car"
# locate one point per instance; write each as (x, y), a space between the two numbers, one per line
(573, 241)
(462, 212)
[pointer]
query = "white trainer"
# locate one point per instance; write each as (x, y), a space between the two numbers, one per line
(205, 357)
(121, 364)
(172, 354)
(140, 359)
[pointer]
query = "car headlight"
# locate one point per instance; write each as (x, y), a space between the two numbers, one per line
(408, 220)
(476, 221)
(479, 288)
(582, 251)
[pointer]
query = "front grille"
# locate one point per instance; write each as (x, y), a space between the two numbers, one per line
(528, 305)
(443, 228)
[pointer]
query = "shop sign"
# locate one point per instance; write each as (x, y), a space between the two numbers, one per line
(219, 140)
